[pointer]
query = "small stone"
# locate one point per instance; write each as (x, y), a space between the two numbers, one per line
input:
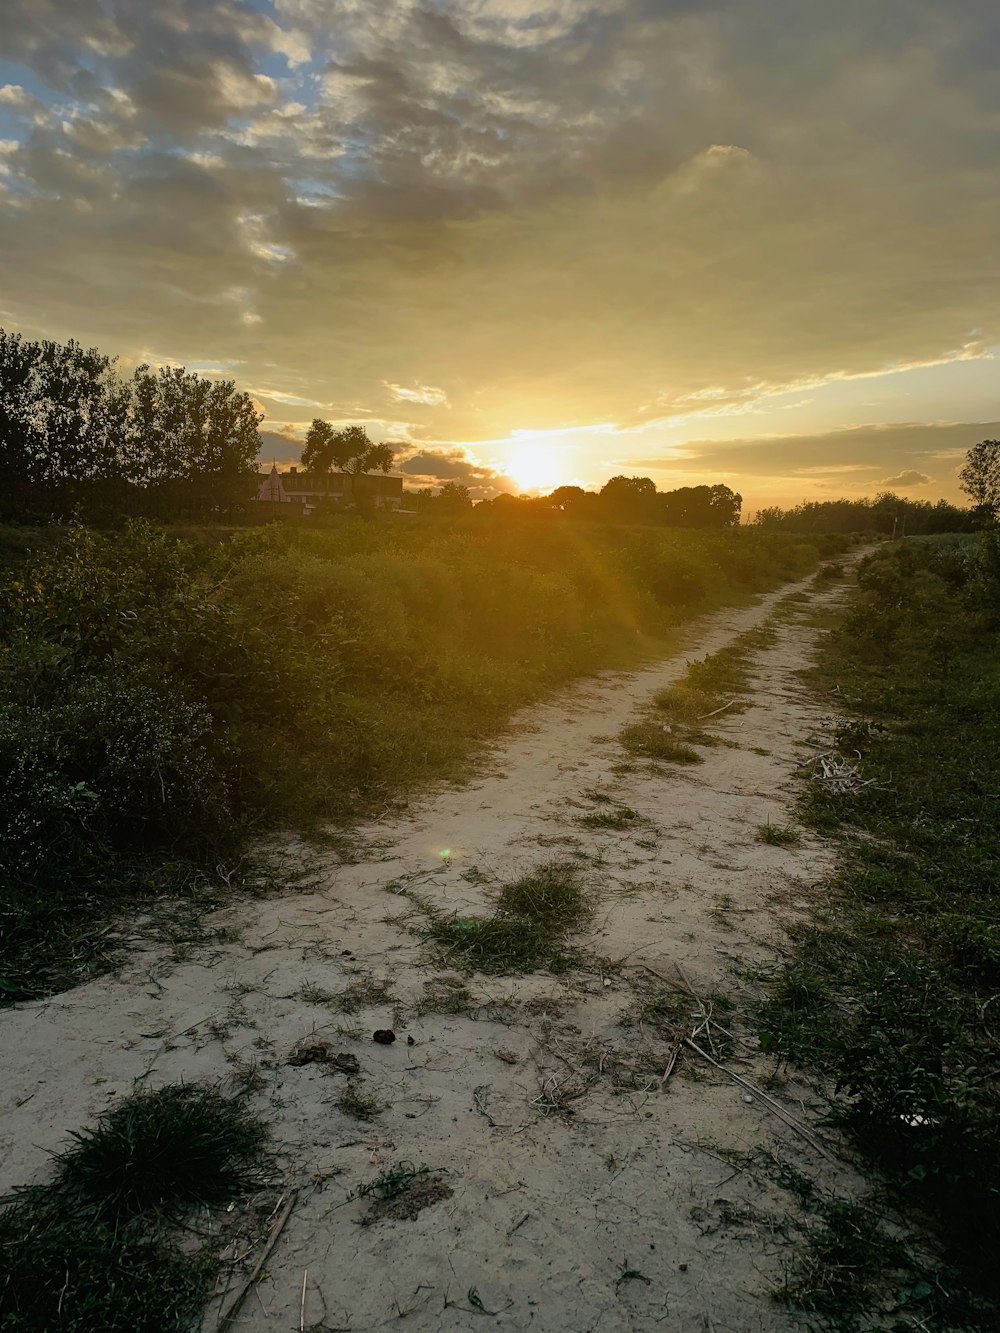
(411, 1040)
(748, 1099)
(384, 1036)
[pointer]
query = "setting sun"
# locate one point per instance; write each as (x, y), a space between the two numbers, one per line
(535, 467)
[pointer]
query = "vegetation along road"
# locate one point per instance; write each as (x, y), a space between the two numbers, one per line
(681, 1006)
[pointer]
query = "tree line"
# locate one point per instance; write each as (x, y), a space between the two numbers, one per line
(888, 513)
(76, 436)
(620, 500)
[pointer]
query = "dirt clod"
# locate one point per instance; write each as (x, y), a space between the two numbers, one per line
(322, 1053)
(405, 1206)
(384, 1036)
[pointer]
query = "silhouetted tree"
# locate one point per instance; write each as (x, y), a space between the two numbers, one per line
(700, 507)
(629, 499)
(348, 450)
(980, 477)
(75, 435)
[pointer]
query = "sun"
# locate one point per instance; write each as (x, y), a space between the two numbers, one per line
(535, 467)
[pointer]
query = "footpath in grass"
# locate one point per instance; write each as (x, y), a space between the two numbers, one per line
(167, 699)
(892, 992)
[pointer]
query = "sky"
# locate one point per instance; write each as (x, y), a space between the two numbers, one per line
(535, 242)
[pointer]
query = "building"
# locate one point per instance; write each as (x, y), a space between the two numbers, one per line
(307, 490)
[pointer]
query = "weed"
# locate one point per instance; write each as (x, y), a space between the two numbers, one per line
(353, 1101)
(473, 875)
(246, 1074)
(622, 817)
(551, 896)
(596, 795)
(169, 1149)
(445, 996)
(313, 994)
(776, 836)
(655, 741)
(392, 1181)
(364, 993)
(527, 930)
(94, 1248)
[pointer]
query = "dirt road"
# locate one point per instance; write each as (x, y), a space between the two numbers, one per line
(574, 1186)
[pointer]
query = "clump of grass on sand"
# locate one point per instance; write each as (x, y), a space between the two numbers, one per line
(174, 1148)
(75, 1277)
(527, 931)
(621, 817)
(651, 739)
(354, 1101)
(774, 835)
(96, 1247)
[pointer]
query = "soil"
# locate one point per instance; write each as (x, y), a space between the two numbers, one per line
(586, 1153)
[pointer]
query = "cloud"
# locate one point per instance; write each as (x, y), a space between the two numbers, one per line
(907, 479)
(563, 210)
(279, 447)
(434, 467)
(426, 394)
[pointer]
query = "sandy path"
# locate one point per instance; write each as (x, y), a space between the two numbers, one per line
(569, 1161)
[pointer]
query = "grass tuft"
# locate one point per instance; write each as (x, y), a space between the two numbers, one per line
(354, 1101)
(527, 931)
(776, 836)
(64, 1274)
(94, 1250)
(622, 817)
(171, 1149)
(650, 739)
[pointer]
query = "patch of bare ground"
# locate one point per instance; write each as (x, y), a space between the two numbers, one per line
(579, 1138)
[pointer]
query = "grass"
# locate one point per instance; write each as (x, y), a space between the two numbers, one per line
(622, 817)
(72, 1277)
(774, 835)
(445, 995)
(365, 993)
(652, 740)
(889, 992)
(712, 686)
(96, 1248)
(392, 1181)
(170, 1150)
(361, 1105)
(527, 931)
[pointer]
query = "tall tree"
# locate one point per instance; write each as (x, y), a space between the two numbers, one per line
(980, 477)
(73, 434)
(348, 450)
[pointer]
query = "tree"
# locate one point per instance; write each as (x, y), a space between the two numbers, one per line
(454, 498)
(629, 499)
(980, 477)
(348, 450)
(700, 507)
(74, 435)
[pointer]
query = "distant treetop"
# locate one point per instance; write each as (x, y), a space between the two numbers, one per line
(348, 450)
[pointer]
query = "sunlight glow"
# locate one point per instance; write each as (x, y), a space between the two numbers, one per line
(535, 467)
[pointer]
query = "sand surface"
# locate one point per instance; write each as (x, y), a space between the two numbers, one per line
(583, 1190)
